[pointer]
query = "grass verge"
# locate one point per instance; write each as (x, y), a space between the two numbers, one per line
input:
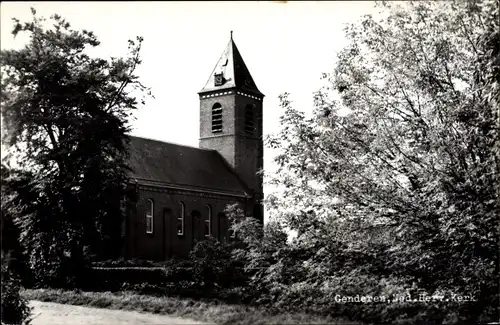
(211, 312)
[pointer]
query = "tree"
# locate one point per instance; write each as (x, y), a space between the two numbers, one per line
(66, 117)
(490, 66)
(402, 149)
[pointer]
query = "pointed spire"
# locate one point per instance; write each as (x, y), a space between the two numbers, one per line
(231, 72)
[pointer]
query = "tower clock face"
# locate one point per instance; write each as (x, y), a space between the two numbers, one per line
(219, 79)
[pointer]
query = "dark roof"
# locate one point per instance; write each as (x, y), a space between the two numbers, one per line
(161, 163)
(234, 70)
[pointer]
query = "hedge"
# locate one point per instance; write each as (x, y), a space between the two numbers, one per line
(115, 278)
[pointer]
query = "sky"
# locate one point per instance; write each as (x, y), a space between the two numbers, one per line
(285, 45)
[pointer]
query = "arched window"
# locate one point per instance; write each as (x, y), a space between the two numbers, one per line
(232, 233)
(249, 119)
(222, 227)
(258, 212)
(208, 222)
(149, 216)
(217, 118)
(180, 220)
(123, 211)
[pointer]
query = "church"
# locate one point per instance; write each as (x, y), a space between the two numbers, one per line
(183, 191)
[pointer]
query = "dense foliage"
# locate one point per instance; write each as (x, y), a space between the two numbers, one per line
(65, 117)
(400, 159)
(11, 233)
(213, 265)
(14, 308)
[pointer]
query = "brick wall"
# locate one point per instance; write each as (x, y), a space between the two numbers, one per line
(223, 142)
(164, 242)
(228, 118)
(242, 151)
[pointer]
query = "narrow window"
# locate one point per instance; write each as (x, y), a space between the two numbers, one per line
(149, 217)
(217, 118)
(208, 222)
(123, 211)
(258, 212)
(123, 206)
(180, 220)
(222, 227)
(249, 119)
(232, 233)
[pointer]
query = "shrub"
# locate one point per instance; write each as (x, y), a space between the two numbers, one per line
(213, 265)
(60, 270)
(15, 309)
(10, 238)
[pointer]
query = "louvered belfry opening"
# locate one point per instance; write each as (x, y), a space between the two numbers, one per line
(249, 120)
(217, 118)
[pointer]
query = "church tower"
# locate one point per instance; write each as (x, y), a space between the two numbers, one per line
(231, 120)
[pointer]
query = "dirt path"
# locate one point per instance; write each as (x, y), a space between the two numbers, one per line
(49, 313)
